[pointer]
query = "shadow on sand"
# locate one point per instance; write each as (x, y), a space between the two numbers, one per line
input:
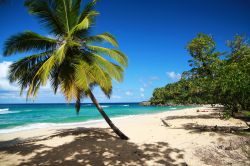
(231, 151)
(92, 147)
(196, 128)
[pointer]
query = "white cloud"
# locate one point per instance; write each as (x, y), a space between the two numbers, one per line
(147, 82)
(116, 97)
(174, 76)
(4, 81)
(11, 95)
(128, 93)
(142, 89)
(4, 67)
(5, 85)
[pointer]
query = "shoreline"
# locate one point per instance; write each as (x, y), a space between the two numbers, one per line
(34, 126)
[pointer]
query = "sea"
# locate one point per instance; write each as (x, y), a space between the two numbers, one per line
(20, 117)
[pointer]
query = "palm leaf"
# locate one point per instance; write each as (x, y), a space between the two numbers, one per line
(44, 71)
(88, 7)
(23, 71)
(74, 12)
(60, 53)
(85, 23)
(101, 78)
(55, 79)
(82, 75)
(28, 41)
(112, 53)
(112, 69)
(87, 75)
(45, 11)
(62, 12)
(17, 69)
(101, 38)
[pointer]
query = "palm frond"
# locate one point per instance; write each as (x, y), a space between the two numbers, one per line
(55, 79)
(63, 13)
(112, 53)
(85, 23)
(43, 72)
(66, 79)
(60, 53)
(69, 89)
(88, 74)
(33, 88)
(74, 12)
(88, 7)
(23, 71)
(101, 78)
(45, 11)
(115, 71)
(28, 41)
(82, 75)
(101, 38)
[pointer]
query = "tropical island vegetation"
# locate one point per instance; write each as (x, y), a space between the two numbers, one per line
(215, 77)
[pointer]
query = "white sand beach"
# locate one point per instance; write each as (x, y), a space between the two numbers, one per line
(180, 137)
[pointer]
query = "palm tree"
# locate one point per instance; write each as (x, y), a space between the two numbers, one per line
(68, 59)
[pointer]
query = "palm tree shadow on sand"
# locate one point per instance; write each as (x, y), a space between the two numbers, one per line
(93, 147)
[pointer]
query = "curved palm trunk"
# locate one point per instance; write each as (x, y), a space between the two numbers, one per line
(105, 116)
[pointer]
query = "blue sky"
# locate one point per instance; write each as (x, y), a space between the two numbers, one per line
(153, 34)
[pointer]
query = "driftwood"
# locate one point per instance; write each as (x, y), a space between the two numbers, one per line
(223, 129)
(165, 123)
(205, 128)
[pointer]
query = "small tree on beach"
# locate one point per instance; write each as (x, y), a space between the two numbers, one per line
(68, 59)
(202, 51)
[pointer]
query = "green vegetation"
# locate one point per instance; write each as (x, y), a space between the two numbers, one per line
(214, 78)
(68, 59)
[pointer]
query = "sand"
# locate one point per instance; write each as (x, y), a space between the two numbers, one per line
(181, 137)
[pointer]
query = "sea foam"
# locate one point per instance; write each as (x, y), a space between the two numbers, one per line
(49, 125)
(4, 109)
(7, 111)
(104, 106)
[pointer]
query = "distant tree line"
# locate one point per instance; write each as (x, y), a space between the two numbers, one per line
(214, 78)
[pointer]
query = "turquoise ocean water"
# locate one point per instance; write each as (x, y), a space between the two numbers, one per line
(18, 117)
